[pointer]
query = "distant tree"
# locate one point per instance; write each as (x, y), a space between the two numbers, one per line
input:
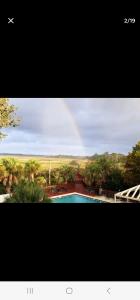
(114, 157)
(75, 164)
(7, 115)
(132, 166)
(94, 157)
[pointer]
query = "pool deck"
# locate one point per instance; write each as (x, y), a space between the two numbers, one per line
(80, 189)
(102, 198)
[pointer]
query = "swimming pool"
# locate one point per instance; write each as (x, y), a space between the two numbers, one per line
(75, 198)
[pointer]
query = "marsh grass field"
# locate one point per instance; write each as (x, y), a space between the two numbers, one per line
(45, 161)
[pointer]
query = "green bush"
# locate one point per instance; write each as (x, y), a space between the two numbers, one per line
(28, 192)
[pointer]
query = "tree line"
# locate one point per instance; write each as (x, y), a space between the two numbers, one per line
(105, 172)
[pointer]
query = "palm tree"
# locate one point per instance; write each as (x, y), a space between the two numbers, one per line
(97, 172)
(31, 169)
(41, 181)
(19, 172)
(10, 165)
(2, 172)
(89, 174)
(68, 173)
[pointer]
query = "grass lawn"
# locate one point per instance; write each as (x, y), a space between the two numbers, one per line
(45, 161)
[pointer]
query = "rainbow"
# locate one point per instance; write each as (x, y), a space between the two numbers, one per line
(59, 109)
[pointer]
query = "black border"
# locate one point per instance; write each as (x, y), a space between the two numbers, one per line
(69, 242)
(83, 53)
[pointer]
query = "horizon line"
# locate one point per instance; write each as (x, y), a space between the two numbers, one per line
(54, 155)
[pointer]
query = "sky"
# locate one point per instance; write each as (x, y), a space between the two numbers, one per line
(73, 126)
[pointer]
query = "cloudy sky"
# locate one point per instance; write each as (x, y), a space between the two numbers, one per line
(73, 126)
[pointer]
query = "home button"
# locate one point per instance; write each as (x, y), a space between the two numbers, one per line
(69, 290)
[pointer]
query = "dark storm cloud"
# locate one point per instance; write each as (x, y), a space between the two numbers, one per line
(69, 125)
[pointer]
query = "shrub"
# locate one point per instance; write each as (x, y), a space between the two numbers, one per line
(28, 192)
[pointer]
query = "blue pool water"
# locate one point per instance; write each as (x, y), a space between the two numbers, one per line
(75, 199)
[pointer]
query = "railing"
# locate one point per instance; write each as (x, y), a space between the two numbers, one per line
(131, 194)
